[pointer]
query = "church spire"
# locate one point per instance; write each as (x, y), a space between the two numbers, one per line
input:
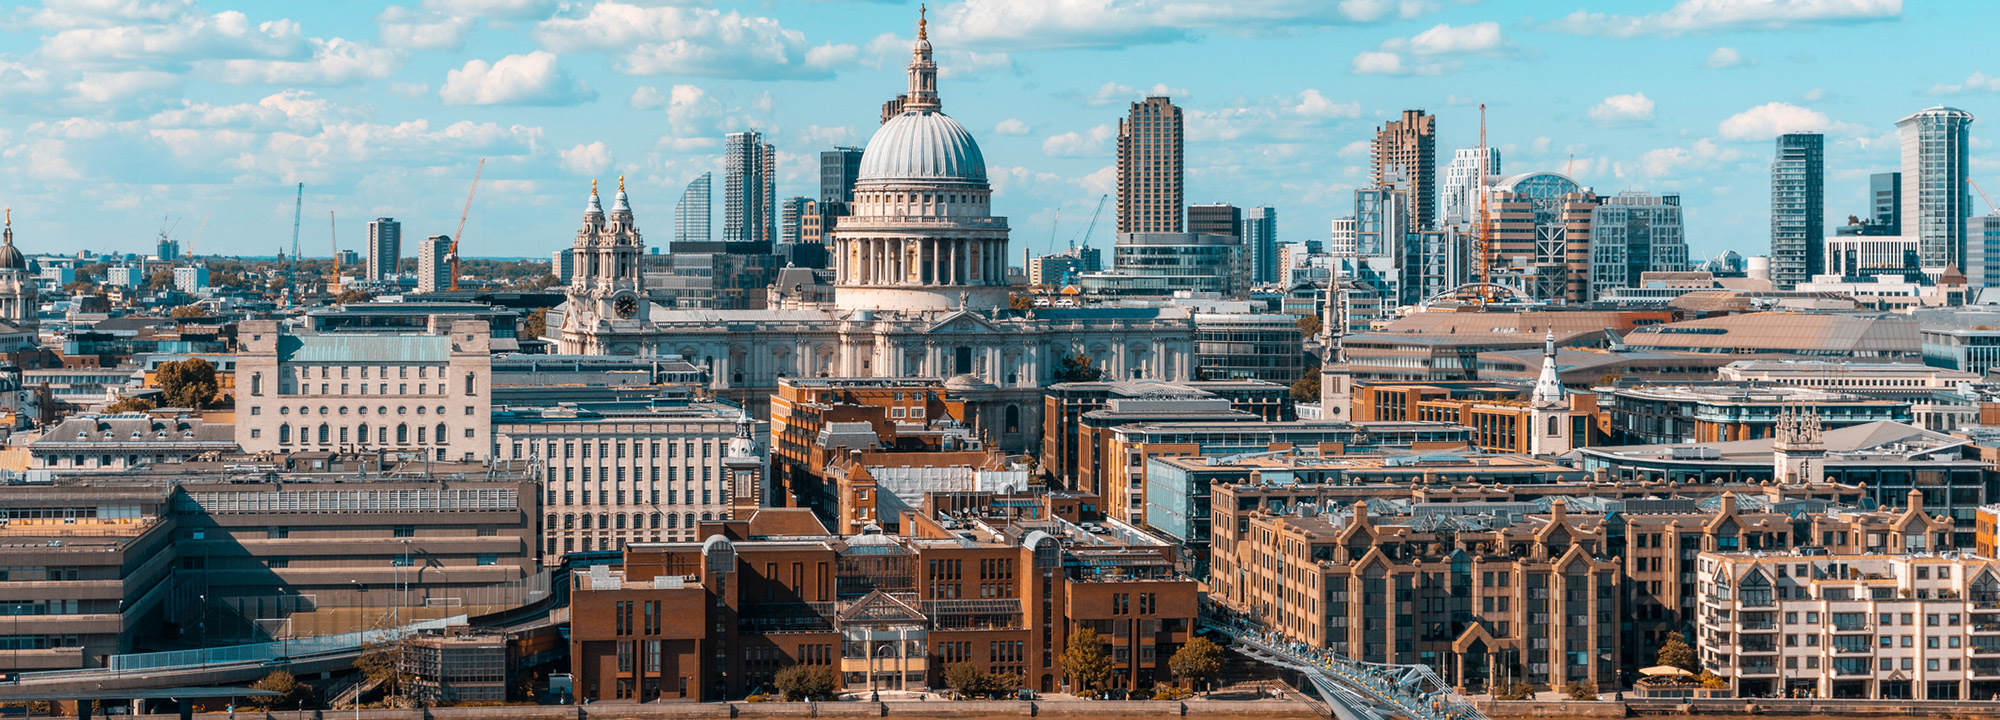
(923, 72)
(1549, 388)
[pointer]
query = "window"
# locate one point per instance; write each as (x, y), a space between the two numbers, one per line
(489, 559)
(403, 531)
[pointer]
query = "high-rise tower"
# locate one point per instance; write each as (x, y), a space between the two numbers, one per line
(1936, 201)
(838, 169)
(692, 218)
(749, 194)
(1798, 209)
(1260, 241)
(1407, 148)
(1149, 167)
(385, 248)
(1459, 199)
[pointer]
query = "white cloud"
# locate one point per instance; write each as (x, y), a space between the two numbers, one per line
(1694, 16)
(430, 30)
(1431, 51)
(693, 41)
(334, 62)
(1773, 119)
(502, 9)
(587, 160)
(1037, 24)
(1976, 82)
(1627, 109)
(409, 90)
(1314, 105)
(108, 87)
(292, 110)
(1113, 92)
(1011, 126)
(531, 79)
(1095, 142)
(647, 97)
(691, 112)
(1704, 154)
(172, 40)
(1727, 57)
(1357, 150)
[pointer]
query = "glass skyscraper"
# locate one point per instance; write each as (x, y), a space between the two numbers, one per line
(1936, 201)
(1798, 209)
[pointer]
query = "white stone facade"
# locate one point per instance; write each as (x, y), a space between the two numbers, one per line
(426, 395)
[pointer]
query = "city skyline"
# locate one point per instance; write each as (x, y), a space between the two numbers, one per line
(189, 109)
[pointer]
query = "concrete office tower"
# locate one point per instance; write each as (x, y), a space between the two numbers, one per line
(434, 264)
(385, 248)
(1798, 209)
(1460, 190)
(1982, 251)
(791, 214)
(838, 169)
(1409, 145)
(1340, 241)
(1215, 219)
(1635, 233)
(693, 218)
(562, 264)
(1936, 200)
(1260, 241)
(1149, 168)
(1885, 193)
(749, 192)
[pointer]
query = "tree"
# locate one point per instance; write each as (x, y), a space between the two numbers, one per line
(971, 681)
(128, 405)
(1017, 301)
(82, 287)
(1078, 367)
(188, 311)
(381, 663)
(800, 682)
(1712, 681)
(1085, 661)
(1197, 662)
(353, 296)
(162, 280)
(1310, 325)
(1676, 653)
(1580, 690)
(1512, 690)
(292, 694)
(1306, 389)
(535, 323)
(188, 383)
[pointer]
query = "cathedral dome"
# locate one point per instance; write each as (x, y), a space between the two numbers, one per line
(11, 258)
(922, 145)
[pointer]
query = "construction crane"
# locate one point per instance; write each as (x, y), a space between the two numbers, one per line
(1990, 209)
(1485, 221)
(452, 256)
(291, 268)
(197, 234)
(1087, 229)
(333, 238)
(1053, 225)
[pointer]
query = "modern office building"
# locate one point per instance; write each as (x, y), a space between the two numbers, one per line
(1406, 150)
(1381, 219)
(191, 279)
(791, 218)
(385, 248)
(1149, 168)
(1260, 240)
(749, 193)
(1669, 414)
(1245, 346)
(1459, 193)
(434, 264)
(1885, 192)
(1633, 233)
(839, 168)
(1982, 250)
(1215, 219)
(692, 217)
(1063, 269)
(1974, 350)
(1540, 231)
(562, 264)
(1856, 256)
(1936, 196)
(1341, 238)
(1163, 263)
(1798, 209)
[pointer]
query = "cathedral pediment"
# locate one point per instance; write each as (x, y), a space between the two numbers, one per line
(962, 321)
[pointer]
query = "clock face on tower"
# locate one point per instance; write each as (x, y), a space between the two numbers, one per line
(626, 306)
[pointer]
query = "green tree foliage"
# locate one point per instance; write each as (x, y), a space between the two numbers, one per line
(1581, 691)
(1310, 325)
(188, 311)
(188, 383)
(82, 287)
(162, 280)
(970, 681)
(801, 682)
(292, 694)
(1078, 367)
(353, 296)
(1512, 690)
(1197, 662)
(1676, 653)
(129, 404)
(535, 323)
(1306, 388)
(1085, 661)
(382, 663)
(1712, 681)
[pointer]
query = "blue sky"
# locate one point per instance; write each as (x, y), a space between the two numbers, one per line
(117, 113)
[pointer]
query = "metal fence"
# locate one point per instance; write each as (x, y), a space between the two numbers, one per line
(255, 652)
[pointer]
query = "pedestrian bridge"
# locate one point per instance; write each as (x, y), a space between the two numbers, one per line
(1355, 690)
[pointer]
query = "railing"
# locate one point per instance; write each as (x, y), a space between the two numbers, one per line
(254, 652)
(1412, 690)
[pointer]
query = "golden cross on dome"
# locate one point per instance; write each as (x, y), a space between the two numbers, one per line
(593, 186)
(922, 10)
(621, 183)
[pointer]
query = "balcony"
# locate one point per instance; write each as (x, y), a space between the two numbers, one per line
(1851, 627)
(1761, 668)
(1984, 627)
(1757, 626)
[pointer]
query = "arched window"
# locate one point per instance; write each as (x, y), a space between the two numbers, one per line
(1553, 427)
(673, 521)
(441, 436)
(707, 516)
(323, 432)
(420, 434)
(402, 432)
(586, 522)
(569, 522)
(362, 433)
(604, 521)
(284, 432)
(552, 521)
(621, 521)
(469, 384)
(689, 519)
(1013, 418)
(656, 521)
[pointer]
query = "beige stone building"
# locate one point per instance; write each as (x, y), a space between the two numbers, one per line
(424, 394)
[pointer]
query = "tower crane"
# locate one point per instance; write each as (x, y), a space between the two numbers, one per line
(333, 238)
(1093, 222)
(452, 256)
(197, 234)
(291, 268)
(1982, 195)
(1485, 220)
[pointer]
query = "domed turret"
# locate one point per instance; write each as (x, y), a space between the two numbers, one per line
(10, 256)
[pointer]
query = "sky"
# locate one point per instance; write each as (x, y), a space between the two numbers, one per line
(121, 118)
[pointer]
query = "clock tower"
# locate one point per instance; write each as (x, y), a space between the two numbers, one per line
(606, 292)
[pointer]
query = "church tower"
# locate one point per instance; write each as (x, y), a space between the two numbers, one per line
(18, 299)
(1336, 382)
(1798, 448)
(1548, 416)
(606, 291)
